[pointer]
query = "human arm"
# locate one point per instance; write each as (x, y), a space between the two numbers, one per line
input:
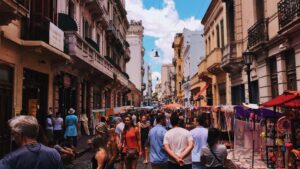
(172, 154)
(114, 151)
(187, 150)
(138, 136)
(100, 157)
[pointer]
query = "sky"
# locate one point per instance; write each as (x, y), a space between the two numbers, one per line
(162, 19)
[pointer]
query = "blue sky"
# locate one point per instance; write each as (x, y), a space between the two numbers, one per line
(162, 19)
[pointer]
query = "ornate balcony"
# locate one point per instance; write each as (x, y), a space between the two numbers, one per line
(214, 61)
(11, 9)
(98, 11)
(203, 73)
(288, 14)
(115, 37)
(230, 62)
(80, 49)
(258, 34)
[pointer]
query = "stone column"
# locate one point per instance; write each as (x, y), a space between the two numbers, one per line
(55, 98)
(103, 102)
(79, 106)
(264, 83)
(281, 74)
(297, 60)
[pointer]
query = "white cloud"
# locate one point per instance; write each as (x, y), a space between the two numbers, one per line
(162, 24)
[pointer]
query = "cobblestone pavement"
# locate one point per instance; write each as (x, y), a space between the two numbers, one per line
(83, 162)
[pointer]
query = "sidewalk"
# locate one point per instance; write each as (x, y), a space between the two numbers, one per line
(82, 145)
(243, 159)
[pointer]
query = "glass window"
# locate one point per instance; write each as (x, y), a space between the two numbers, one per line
(222, 33)
(274, 77)
(291, 70)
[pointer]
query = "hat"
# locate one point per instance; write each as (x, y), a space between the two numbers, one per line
(118, 119)
(71, 111)
(101, 128)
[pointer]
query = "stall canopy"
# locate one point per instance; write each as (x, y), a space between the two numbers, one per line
(200, 92)
(173, 106)
(287, 99)
(265, 113)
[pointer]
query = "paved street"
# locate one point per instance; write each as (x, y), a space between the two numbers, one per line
(83, 162)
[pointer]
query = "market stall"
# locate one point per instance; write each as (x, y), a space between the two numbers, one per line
(284, 151)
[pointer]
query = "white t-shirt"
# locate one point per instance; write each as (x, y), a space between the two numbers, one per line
(58, 123)
(220, 151)
(178, 139)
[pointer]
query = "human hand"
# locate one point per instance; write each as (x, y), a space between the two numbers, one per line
(179, 160)
(140, 154)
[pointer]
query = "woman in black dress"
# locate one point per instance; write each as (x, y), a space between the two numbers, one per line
(144, 128)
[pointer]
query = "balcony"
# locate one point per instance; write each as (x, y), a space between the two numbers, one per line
(142, 70)
(174, 61)
(288, 15)
(98, 11)
(80, 49)
(115, 37)
(258, 34)
(202, 71)
(12, 9)
(230, 62)
(121, 8)
(213, 61)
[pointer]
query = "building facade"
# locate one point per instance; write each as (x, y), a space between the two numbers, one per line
(179, 67)
(167, 83)
(210, 71)
(61, 55)
(269, 29)
(147, 81)
(193, 51)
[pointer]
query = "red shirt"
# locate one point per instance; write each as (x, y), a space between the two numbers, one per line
(131, 139)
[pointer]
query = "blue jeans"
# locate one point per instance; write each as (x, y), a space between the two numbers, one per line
(197, 165)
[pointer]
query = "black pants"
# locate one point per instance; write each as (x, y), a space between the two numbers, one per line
(176, 166)
(58, 136)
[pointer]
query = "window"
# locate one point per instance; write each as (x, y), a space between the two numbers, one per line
(238, 94)
(98, 40)
(86, 29)
(180, 86)
(71, 9)
(259, 9)
(218, 36)
(209, 96)
(290, 70)
(222, 33)
(209, 44)
(222, 93)
(179, 68)
(273, 76)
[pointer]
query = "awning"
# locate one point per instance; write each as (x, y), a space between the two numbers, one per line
(280, 100)
(200, 92)
(66, 22)
(173, 106)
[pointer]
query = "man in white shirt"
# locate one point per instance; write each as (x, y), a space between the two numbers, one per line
(178, 143)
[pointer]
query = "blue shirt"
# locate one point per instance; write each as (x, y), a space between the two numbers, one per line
(71, 123)
(199, 135)
(156, 138)
(32, 156)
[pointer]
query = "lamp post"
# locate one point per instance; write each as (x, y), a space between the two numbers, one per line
(248, 59)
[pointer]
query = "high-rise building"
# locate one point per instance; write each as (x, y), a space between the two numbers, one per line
(168, 83)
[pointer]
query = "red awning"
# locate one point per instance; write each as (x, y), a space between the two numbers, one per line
(293, 103)
(200, 92)
(280, 100)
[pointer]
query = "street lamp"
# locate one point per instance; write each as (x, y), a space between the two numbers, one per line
(248, 59)
(156, 53)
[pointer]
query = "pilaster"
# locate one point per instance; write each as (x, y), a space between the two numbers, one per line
(264, 83)
(281, 74)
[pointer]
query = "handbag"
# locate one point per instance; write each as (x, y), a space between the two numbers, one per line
(219, 167)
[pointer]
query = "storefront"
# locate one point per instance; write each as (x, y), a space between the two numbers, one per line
(35, 94)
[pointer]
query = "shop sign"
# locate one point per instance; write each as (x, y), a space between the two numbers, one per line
(56, 37)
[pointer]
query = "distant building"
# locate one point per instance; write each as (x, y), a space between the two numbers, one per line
(134, 67)
(178, 66)
(194, 50)
(168, 83)
(147, 84)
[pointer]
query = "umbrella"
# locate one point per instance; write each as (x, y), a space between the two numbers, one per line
(280, 100)
(173, 106)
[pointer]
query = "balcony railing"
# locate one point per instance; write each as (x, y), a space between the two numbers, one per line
(214, 60)
(258, 33)
(288, 12)
(78, 47)
(230, 62)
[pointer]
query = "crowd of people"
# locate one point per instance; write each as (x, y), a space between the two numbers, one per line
(162, 138)
(165, 139)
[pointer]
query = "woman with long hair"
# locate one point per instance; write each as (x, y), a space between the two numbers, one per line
(131, 143)
(214, 154)
(144, 128)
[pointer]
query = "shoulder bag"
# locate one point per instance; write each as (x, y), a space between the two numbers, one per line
(219, 167)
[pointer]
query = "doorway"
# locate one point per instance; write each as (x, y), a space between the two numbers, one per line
(6, 86)
(35, 95)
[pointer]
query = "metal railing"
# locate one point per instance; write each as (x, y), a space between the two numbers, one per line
(258, 33)
(288, 10)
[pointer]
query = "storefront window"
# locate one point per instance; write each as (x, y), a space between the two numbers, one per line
(238, 94)
(291, 70)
